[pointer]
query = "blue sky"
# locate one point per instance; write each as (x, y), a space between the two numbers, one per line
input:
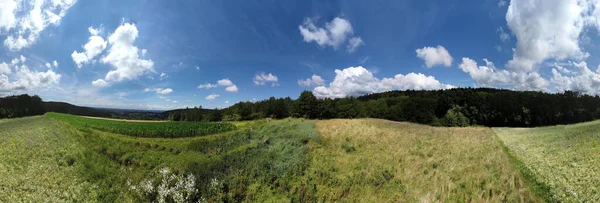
(157, 54)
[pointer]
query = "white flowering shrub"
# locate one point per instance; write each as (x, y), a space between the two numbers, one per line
(168, 187)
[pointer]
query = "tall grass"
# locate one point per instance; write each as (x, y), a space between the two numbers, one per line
(370, 160)
(562, 160)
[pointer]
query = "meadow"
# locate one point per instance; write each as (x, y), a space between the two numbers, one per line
(563, 160)
(63, 158)
(374, 160)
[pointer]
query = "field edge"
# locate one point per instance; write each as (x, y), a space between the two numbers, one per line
(540, 189)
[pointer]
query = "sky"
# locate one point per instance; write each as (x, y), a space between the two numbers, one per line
(159, 55)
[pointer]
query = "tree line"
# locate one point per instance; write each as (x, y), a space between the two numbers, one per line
(20, 106)
(453, 107)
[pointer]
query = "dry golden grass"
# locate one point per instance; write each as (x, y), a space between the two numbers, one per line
(404, 162)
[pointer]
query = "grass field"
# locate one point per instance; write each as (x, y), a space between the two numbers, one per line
(564, 160)
(56, 158)
(371, 160)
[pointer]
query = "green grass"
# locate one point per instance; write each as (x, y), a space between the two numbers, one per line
(562, 160)
(373, 160)
(60, 158)
(46, 158)
(147, 129)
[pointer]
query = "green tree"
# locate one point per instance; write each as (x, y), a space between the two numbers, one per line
(307, 104)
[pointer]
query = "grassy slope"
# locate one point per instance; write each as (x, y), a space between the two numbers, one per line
(279, 161)
(48, 159)
(563, 158)
(35, 162)
(370, 160)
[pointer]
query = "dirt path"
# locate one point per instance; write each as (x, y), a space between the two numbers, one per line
(125, 120)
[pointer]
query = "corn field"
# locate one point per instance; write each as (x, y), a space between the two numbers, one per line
(143, 129)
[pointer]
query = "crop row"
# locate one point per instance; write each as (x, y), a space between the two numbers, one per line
(147, 129)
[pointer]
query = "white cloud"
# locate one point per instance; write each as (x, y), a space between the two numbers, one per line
(99, 83)
(434, 56)
(93, 48)
(123, 55)
(503, 35)
(334, 34)
(413, 81)
(25, 79)
(354, 43)
(5, 68)
(232, 88)
(547, 29)
(562, 69)
(25, 20)
(225, 82)
(48, 65)
(212, 97)
(314, 80)
(226, 102)
(206, 86)
(489, 76)
(55, 64)
(163, 76)
(585, 80)
(262, 79)
(355, 81)
(197, 68)
(159, 90)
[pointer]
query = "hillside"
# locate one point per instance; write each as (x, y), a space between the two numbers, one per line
(364, 160)
(63, 107)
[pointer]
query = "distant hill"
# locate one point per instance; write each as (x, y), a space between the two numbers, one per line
(63, 107)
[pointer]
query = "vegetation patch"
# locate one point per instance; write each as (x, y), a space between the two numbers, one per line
(409, 162)
(561, 160)
(147, 129)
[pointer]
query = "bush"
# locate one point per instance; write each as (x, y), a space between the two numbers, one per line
(454, 117)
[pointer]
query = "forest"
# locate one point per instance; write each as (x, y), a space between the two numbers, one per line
(453, 107)
(20, 106)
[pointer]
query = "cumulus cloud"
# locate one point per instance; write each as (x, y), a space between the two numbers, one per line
(206, 86)
(262, 79)
(232, 88)
(5, 68)
(314, 80)
(99, 83)
(123, 56)
(55, 64)
(92, 48)
(212, 97)
(25, 20)
(229, 86)
(548, 29)
(225, 82)
(489, 76)
(335, 33)
(159, 90)
(24, 79)
(434, 56)
(584, 80)
(355, 81)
